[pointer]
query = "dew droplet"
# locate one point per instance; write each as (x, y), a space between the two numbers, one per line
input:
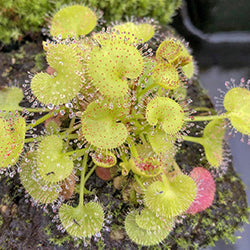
(80, 96)
(62, 112)
(69, 105)
(50, 106)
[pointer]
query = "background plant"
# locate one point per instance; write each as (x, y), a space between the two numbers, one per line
(19, 17)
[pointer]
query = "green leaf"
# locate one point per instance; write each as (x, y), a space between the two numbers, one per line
(65, 83)
(83, 221)
(167, 113)
(40, 190)
(12, 135)
(162, 143)
(148, 220)
(237, 103)
(110, 66)
(135, 32)
(212, 141)
(169, 199)
(147, 167)
(173, 51)
(166, 76)
(53, 164)
(75, 20)
(142, 236)
(100, 126)
(104, 160)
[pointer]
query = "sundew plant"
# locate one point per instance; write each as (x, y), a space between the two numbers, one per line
(108, 101)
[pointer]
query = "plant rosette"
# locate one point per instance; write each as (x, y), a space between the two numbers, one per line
(113, 106)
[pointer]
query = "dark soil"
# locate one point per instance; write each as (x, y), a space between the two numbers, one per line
(24, 226)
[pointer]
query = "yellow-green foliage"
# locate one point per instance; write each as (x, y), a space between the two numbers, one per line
(12, 134)
(107, 99)
(236, 102)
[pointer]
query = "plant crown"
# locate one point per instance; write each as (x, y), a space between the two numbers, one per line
(108, 100)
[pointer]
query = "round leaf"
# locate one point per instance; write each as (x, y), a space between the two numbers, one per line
(147, 167)
(63, 85)
(143, 236)
(171, 199)
(83, 221)
(39, 189)
(237, 103)
(104, 160)
(75, 20)
(173, 51)
(205, 190)
(135, 32)
(109, 67)
(166, 76)
(100, 127)
(53, 165)
(167, 113)
(146, 219)
(212, 142)
(12, 135)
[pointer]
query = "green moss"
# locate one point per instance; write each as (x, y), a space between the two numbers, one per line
(59, 239)
(100, 245)
(118, 10)
(18, 17)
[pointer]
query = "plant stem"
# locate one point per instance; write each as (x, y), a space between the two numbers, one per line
(82, 183)
(204, 109)
(41, 120)
(72, 122)
(78, 152)
(69, 130)
(165, 180)
(139, 182)
(72, 136)
(193, 139)
(34, 110)
(205, 118)
(144, 91)
(84, 179)
(39, 138)
(176, 167)
(133, 149)
(90, 173)
(27, 140)
(141, 135)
